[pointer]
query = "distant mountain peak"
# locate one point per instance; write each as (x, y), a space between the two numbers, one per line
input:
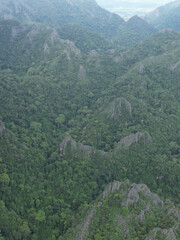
(167, 16)
(56, 13)
(136, 19)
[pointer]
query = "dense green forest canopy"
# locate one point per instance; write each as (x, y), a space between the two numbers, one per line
(78, 112)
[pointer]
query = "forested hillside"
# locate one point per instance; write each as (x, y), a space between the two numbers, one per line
(75, 18)
(56, 13)
(167, 16)
(133, 31)
(89, 135)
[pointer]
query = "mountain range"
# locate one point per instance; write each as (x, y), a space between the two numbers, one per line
(89, 125)
(167, 16)
(86, 14)
(57, 13)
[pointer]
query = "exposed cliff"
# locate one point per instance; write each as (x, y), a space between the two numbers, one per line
(125, 211)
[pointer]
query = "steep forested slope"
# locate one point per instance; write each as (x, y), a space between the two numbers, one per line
(70, 15)
(59, 12)
(133, 31)
(127, 211)
(167, 16)
(121, 110)
(86, 41)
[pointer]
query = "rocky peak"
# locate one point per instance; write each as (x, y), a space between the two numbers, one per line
(174, 66)
(77, 146)
(138, 204)
(118, 108)
(111, 188)
(140, 137)
(168, 234)
(133, 195)
(35, 30)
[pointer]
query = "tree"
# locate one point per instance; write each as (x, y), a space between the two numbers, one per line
(60, 120)
(40, 216)
(4, 178)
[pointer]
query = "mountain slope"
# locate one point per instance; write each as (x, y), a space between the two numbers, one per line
(27, 44)
(86, 41)
(133, 31)
(167, 16)
(87, 14)
(125, 211)
(59, 12)
(122, 110)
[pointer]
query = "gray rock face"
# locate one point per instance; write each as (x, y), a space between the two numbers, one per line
(46, 48)
(133, 196)
(116, 109)
(76, 146)
(132, 193)
(141, 217)
(124, 223)
(2, 127)
(83, 229)
(54, 37)
(93, 53)
(132, 139)
(35, 30)
(168, 234)
(71, 47)
(173, 67)
(85, 225)
(82, 73)
(111, 188)
(141, 68)
(174, 212)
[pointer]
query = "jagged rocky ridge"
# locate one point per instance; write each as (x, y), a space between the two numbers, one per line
(139, 137)
(70, 145)
(128, 208)
(118, 108)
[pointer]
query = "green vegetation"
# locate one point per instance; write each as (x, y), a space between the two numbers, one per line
(167, 16)
(86, 41)
(128, 211)
(133, 31)
(55, 13)
(122, 110)
(76, 18)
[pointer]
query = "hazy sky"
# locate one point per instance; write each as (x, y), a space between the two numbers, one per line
(128, 8)
(143, 2)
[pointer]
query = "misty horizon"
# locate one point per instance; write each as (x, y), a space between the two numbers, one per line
(129, 8)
